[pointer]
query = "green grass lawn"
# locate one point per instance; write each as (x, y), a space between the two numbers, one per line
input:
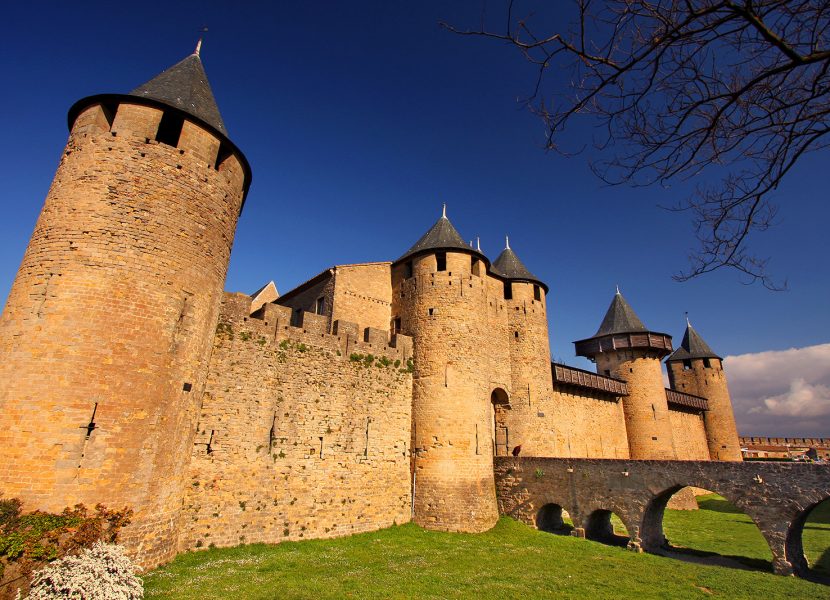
(510, 561)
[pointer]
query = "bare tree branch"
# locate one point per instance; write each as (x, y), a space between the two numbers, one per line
(737, 88)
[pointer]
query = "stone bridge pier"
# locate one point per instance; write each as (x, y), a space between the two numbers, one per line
(776, 496)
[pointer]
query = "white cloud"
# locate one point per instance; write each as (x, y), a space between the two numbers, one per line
(781, 392)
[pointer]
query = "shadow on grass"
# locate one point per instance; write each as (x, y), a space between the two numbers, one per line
(704, 557)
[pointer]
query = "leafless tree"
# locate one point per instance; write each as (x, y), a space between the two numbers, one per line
(738, 88)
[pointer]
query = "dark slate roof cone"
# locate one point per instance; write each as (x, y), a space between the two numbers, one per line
(620, 329)
(692, 346)
(620, 318)
(185, 86)
(509, 266)
(441, 236)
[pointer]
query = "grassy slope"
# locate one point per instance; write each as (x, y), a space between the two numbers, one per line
(510, 561)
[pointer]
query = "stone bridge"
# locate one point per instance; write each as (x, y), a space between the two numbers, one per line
(776, 496)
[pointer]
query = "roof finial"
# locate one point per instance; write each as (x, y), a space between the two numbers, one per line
(507, 242)
(478, 243)
(688, 323)
(618, 289)
(199, 43)
(444, 211)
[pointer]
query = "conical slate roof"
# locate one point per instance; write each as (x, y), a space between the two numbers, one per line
(692, 346)
(620, 318)
(441, 236)
(510, 267)
(185, 86)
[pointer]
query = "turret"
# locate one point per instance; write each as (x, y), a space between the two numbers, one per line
(625, 349)
(440, 299)
(525, 299)
(695, 369)
(108, 326)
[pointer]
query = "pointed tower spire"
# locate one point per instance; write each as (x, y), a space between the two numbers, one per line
(185, 86)
(692, 346)
(509, 266)
(442, 236)
(618, 290)
(198, 47)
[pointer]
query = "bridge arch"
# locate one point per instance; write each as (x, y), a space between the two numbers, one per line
(549, 518)
(794, 546)
(599, 528)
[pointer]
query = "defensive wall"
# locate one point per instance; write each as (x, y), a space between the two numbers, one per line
(776, 496)
(301, 434)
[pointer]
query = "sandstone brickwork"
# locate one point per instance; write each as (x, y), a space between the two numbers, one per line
(301, 435)
(646, 410)
(445, 313)
(689, 434)
(108, 326)
(706, 378)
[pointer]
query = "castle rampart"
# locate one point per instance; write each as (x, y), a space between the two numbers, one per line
(302, 434)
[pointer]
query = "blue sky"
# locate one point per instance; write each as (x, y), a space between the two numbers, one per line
(361, 119)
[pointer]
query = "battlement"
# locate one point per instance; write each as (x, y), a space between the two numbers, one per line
(785, 441)
(272, 324)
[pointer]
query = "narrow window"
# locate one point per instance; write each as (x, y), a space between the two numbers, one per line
(407, 272)
(687, 364)
(297, 317)
(537, 293)
(170, 129)
(431, 312)
(707, 364)
(441, 261)
(508, 290)
(607, 373)
(320, 306)
(396, 325)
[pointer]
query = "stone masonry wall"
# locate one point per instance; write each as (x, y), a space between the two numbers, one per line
(710, 383)
(108, 327)
(689, 434)
(646, 410)
(586, 426)
(300, 434)
(363, 293)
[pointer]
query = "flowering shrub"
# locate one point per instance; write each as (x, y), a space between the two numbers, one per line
(102, 572)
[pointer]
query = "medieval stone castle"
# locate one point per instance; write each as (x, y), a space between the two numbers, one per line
(372, 394)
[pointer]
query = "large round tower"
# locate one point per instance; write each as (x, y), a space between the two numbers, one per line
(441, 301)
(527, 323)
(108, 326)
(695, 369)
(625, 349)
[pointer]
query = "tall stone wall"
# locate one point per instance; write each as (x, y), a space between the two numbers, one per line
(689, 434)
(710, 383)
(300, 434)
(585, 425)
(646, 410)
(108, 326)
(363, 293)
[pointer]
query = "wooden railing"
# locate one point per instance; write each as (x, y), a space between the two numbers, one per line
(687, 400)
(566, 375)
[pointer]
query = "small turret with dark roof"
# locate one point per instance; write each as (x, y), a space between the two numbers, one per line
(441, 236)
(692, 347)
(622, 328)
(508, 266)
